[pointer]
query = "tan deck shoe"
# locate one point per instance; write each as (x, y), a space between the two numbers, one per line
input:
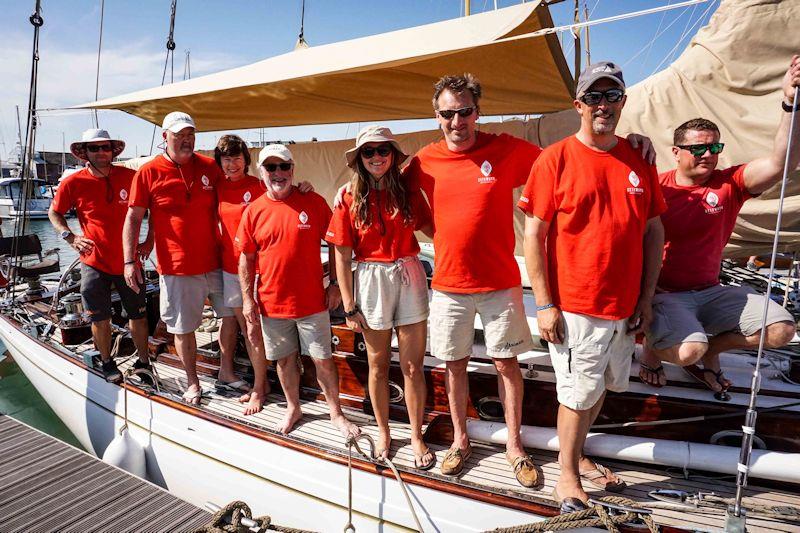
(454, 459)
(525, 470)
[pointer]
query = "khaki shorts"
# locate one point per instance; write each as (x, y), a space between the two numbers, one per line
(595, 357)
(505, 328)
(231, 291)
(392, 294)
(310, 335)
(688, 316)
(182, 298)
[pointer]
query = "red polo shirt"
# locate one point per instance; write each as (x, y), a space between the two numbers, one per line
(234, 197)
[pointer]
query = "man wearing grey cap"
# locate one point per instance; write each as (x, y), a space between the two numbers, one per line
(593, 244)
(178, 187)
(99, 195)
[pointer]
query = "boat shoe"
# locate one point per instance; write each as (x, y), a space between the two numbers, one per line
(454, 459)
(111, 372)
(525, 470)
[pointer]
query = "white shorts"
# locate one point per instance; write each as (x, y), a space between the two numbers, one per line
(182, 298)
(595, 357)
(502, 312)
(309, 335)
(392, 294)
(231, 290)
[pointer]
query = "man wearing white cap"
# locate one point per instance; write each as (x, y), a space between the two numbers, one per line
(283, 230)
(99, 194)
(178, 187)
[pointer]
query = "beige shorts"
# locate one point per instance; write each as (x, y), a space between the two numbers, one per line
(505, 328)
(595, 357)
(310, 335)
(182, 298)
(231, 291)
(392, 294)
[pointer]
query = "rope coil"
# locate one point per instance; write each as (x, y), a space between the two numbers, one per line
(229, 519)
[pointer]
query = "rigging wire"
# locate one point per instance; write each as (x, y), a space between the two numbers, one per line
(99, 48)
(649, 46)
(170, 53)
(678, 44)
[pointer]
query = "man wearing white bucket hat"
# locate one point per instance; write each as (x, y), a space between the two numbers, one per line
(99, 194)
(178, 187)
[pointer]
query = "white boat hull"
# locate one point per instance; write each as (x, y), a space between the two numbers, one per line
(203, 461)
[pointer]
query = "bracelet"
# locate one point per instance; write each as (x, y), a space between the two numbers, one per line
(353, 312)
(543, 307)
(130, 262)
(788, 107)
(334, 282)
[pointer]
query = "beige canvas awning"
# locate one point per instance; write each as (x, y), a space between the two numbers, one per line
(382, 77)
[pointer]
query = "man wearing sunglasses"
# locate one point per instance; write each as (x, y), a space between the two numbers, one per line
(593, 244)
(703, 203)
(178, 188)
(99, 195)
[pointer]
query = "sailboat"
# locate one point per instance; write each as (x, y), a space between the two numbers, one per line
(675, 445)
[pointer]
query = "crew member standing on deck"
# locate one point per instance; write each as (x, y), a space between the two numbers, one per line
(283, 230)
(593, 242)
(702, 206)
(178, 187)
(99, 194)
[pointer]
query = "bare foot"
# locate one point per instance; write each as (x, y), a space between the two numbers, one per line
(293, 415)
(651, 371)
(254, 401)
(423, 456)
(227, 377)
(570, 489)
(384, 445)
(345, 427)
(717, 381)
(192, 395)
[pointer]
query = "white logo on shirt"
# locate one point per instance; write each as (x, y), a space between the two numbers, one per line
(123, 195)
(303, 220)
(329, 234)
(524, 199)
(712, 199)
(247, 197)
(206, 183)
(635, 181)
(486, 168)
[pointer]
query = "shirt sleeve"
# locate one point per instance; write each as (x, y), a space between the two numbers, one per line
(140, 189)
(657, 203)
(245, 243)
(737, 177)
(420, 209)
(538, 196)
(340, 230)
(63, 201)
(525, 155)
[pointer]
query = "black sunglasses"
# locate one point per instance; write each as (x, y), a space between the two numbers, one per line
(94, 148)
(464, 112)
(699, 150)
(612, 96)
(382, 150)
(272, 167)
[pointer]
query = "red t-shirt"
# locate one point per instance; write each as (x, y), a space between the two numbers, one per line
(388, 237)
(183, 212)
(234, 197)
(597, 204)
(697, 225)
(472, 200)
(101, 204)
(286, 236)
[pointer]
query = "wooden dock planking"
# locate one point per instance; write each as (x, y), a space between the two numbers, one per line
(487, 467)
(47, 485)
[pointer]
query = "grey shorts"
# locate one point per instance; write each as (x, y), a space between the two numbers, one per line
(690, 316)
(502, 313)
(231, 291)
(183, 298)
(309, 335)
(595, 357)
(392, 294)
(96, 287)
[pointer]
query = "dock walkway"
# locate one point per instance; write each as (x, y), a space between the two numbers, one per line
(47, 485)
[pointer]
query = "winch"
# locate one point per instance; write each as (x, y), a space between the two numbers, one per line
(73, 311)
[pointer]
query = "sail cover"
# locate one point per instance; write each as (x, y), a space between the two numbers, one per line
(381, 77)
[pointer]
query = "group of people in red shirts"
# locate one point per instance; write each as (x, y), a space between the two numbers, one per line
(600, 222)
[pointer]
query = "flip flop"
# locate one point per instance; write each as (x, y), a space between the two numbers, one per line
(658, 371)
(700, 375)
(233, 386)
(190, 397)
(418, 460)
(569, 505)
(599, 472)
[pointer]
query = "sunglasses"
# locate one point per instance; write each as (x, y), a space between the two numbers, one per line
(464, 112)
(699, 150)
(94, 148)
(272, 167)
(382, 150)
(612, 96)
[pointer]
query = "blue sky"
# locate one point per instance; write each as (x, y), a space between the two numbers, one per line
(223, 35)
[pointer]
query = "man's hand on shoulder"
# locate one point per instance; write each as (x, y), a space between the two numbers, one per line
(648, 151)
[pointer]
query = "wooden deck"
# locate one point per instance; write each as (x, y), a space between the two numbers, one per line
(488, 470)
(47, 485)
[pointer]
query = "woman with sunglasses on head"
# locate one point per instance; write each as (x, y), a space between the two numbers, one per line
(389, 291)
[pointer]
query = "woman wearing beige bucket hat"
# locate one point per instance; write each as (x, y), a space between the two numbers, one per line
(376, 223)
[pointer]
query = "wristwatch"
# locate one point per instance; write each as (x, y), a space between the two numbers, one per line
(65, 234)
(334, 282)
(788, 107)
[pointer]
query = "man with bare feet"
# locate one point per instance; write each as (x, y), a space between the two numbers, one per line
(702, 206)
(593, 244)
(283, 230)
